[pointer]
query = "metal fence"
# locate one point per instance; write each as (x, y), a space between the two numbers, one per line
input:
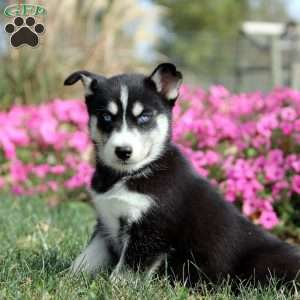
(259, 58)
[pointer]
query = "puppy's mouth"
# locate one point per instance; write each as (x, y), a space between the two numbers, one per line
(133, 163)
(125, 162)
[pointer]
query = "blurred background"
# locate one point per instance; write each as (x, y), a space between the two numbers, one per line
(213, 42)
(237, 121)
(233, 122)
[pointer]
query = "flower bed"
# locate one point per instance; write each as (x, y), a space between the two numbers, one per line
(45, 148)
(247, 144)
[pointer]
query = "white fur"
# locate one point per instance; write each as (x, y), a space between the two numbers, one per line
(137, 109)
(110, 206)
(112, 107)
(173, 89)
(119, 202)
(124, 99)
(156, 264)
(156, 78)
(93, 257)
(156, 138)
(94, 132)
(146, 146)
(87, 83)
(121, 261)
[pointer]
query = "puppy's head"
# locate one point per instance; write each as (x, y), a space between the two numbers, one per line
(130, 115)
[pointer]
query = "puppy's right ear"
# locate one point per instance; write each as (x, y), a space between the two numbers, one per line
(89, 80)
(167, 80)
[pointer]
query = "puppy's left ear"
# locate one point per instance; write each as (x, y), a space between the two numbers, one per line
(90, 81)
(167, 80)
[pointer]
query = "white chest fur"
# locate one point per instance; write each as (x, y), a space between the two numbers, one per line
(119, 202)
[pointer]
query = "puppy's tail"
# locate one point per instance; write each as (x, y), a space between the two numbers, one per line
(280, 262)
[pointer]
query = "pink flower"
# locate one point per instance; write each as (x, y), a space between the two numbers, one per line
(62, 109)
(18, 190)
(296, 165)
(268, 219)
(48, 131)
(287, 128)
(58, 169)
(71, 161)
(249, 207)
(8, 146)
(79, 141)
(296, 184)
(276, 156)
(219, 91)
(17, 135)
(278, 187)
(241, 184)
(290, 159)
(41, 170)
(261, 141)
(288, 114)
(229, 188)
(74, 182)
(212, 157)
(53, 185)
(203, 172)
(78, 114)
(249, 193)
(273, 172)
(18, 171)
(82, 177)
(297, 125)
(266, 124)
(230, 196)
(249, 141)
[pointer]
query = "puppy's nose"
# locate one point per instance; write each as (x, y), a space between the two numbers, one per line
(123, 152)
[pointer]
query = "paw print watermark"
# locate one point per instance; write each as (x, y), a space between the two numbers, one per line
(24, 33)
(24, 29)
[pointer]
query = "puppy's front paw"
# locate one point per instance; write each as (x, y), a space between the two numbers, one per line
(83, 265)
(78, 266)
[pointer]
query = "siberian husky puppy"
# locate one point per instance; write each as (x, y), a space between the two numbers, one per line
(154, 211)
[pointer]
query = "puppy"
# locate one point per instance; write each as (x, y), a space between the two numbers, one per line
(154, 212)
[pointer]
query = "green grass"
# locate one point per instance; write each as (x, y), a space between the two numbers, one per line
(38, 245)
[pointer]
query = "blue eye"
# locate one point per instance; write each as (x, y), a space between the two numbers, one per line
(106, 117)
(144, 118)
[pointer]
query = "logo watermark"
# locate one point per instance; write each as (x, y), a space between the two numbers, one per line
(24, 29)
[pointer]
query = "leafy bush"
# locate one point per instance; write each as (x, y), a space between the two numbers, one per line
(247, 144)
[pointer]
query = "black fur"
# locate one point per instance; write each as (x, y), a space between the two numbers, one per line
(203, 236)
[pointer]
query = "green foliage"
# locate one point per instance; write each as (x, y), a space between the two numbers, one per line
(219, 16)
(29, 77)
(203, 32)
(38, 245)
(202, 36)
